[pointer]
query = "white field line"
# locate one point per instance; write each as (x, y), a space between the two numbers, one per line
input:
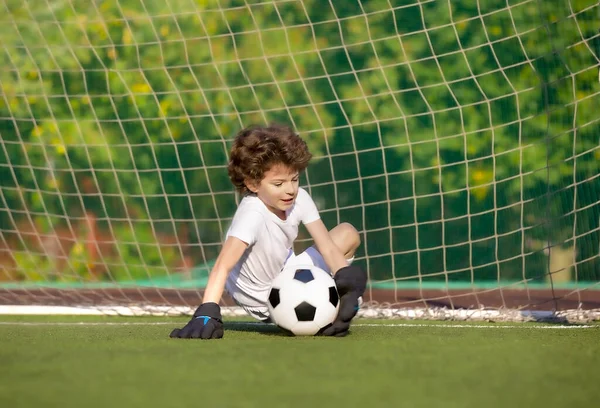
(502, 317)
(258, 324)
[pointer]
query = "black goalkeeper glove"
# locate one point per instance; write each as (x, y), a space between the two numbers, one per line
(351, 282)
(206, 324)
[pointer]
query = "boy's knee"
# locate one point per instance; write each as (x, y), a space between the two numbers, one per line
(350, 236)
(353, 234)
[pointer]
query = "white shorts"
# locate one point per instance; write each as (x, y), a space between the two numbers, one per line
(309, 257)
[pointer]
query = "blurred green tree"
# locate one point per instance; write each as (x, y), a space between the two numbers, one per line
(458, 135)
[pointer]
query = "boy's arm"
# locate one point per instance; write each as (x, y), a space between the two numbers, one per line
(333, 256)
(230, 254)
(207, 322)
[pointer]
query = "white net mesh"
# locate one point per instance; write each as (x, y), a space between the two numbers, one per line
(461, 138)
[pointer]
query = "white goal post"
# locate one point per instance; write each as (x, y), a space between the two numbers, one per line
(461, 138)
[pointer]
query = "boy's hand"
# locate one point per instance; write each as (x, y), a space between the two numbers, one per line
(205, 324)
(351, 282)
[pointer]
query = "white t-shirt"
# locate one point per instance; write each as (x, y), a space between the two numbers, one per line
(270, 240)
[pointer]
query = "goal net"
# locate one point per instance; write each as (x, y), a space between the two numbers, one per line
(461, 138)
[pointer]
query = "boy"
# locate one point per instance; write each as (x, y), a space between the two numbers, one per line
(265, 165)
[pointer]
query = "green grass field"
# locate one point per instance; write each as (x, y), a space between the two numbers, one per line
(130, 362)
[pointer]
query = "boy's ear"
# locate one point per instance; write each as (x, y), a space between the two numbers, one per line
(251, 185)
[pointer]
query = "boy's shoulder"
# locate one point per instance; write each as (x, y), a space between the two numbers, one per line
(302, 194)
(250, 203)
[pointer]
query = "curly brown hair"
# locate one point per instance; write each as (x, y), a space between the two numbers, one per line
(256, 149)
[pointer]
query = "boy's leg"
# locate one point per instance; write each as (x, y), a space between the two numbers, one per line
(345, 237)
(259, 313)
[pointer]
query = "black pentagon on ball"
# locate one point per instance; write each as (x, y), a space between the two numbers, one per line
(274, 297)
(305, 312)
(303, 275)
(333, 296)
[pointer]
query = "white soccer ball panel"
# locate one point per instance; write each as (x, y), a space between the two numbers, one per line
(325, 315)
(293, 293)
(315, 292)
(305, 329)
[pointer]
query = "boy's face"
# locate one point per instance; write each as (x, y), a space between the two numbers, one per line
(278, 188)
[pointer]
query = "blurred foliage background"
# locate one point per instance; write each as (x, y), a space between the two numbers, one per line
(461, 138)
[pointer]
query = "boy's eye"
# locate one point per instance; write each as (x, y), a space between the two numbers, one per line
(280, 183)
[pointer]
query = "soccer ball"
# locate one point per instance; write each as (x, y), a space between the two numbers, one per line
(303, 300)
